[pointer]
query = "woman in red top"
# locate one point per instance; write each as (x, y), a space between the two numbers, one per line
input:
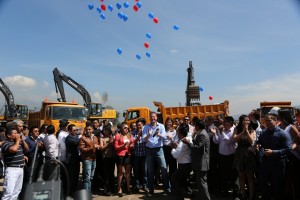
(123, 145)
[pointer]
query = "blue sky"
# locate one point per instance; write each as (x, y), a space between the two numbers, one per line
(243, 51)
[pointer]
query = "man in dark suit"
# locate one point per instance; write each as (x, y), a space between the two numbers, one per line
(200, 158)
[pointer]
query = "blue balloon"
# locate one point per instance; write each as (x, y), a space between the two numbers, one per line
(98, 10)
(120, 15)
(175, 27)
(119, 50)
(139, 4)
(91, 6)
(148, 35)
(201, 89)
(126, 4)
(118, 5)
(125, 17)
(148, 54)
(110, 8)
(151, 15)
(138, 56)
(102, 16)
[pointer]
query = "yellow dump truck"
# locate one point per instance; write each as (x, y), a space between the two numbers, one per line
(202, 111)
(52, 112)
(266, 106)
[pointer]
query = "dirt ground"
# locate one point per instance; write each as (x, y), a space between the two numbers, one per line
(159, 195)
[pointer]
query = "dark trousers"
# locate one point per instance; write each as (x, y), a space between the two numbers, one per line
(178, 180)
(201, 178)
(140, 171)
(109, 173)
(228, 173)
(271, 173)
(73, 168)
(170, 160)
(97, 181)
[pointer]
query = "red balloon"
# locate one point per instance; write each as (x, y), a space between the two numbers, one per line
(155, 20)
(146, 44)
(135, 8)
(101, 0)
(210, 98)
(103, 7)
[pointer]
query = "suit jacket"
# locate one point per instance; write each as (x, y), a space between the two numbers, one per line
(200, 151)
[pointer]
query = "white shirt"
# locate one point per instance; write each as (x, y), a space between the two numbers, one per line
(182, 153)
(51, 146)
(171, 134)
(61, 139)
(225, 140)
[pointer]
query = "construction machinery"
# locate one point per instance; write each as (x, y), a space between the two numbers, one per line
(12, 111)
(94, 109)
(53, 112)
(201, 111)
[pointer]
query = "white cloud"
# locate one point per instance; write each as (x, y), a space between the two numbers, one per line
(100, 98)
(20, 81)
(45, 84)
(174, 51)
(244, 98)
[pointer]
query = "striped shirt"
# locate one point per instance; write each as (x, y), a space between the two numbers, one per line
(12, 159)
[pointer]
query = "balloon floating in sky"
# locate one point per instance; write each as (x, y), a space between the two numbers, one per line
(146, 44)
(135, 8)
(110, 8)
(119, 51)
(125, 17)
(139, 4)
(201, 89)
(210, 98)
(138, 56)
(148, 54)
(118, 5)
(120, 15)
(98, 10)
(148, 35)
(91, 6)
(126, 4)
(102, 16)
(176, 27)
(103, 7)
(155, 20)
(151, 15)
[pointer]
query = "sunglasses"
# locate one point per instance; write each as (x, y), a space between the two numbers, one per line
(125, 127)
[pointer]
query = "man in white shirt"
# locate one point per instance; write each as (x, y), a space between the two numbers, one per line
(181, 153)
(51, 147)
(226, 150)
(63, 133)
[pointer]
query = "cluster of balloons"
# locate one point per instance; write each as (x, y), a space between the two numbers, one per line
(121, 14)
(210, 97)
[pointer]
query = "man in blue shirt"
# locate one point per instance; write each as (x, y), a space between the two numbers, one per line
(275, 143)
(154, 134)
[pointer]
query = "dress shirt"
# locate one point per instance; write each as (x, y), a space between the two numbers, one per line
(156, 141)
(225, 140)
(182, 153)
(173, 135)
(51, 146)
(62, 143)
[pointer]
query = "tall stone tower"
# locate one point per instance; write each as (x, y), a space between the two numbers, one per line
(192, 90)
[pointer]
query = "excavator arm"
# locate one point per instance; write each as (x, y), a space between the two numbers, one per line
(94, 109)
(59, 77)
(11, 107)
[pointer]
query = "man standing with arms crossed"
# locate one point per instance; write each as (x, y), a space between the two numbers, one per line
(154, 134)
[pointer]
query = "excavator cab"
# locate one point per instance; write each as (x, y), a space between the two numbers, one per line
(95, 110)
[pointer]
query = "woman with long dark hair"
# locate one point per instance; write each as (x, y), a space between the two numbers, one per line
(244, 160)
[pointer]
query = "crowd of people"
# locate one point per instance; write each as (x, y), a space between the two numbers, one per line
(244, 159)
